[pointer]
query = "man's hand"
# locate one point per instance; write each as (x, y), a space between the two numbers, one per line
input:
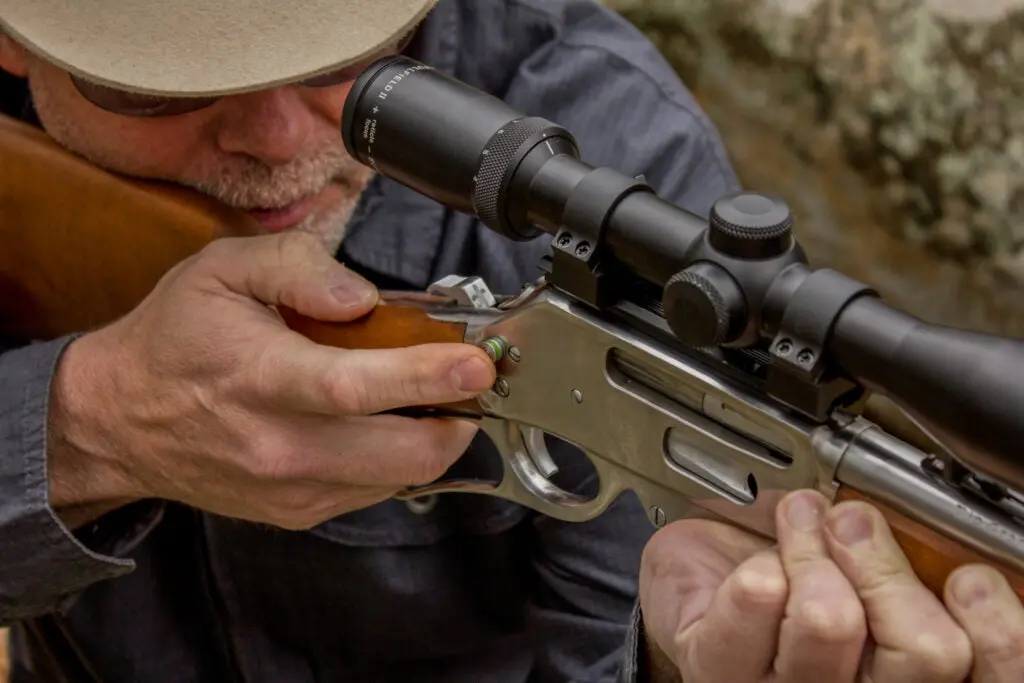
(202, 395)
(834, 602)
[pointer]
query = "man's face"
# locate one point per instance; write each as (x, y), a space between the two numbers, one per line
(275, 153)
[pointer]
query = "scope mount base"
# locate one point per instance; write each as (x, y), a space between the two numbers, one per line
(576, 265)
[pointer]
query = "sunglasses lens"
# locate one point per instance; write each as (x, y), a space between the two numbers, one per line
(135, 104)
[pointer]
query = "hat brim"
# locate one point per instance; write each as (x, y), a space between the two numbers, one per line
(203, 48)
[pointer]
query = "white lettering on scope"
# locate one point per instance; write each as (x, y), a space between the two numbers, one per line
(370, 125)
(390, 85)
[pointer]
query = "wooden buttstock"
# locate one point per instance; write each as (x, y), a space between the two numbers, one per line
(83, 246)
(933, 556)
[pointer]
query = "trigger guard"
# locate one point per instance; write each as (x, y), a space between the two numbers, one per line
(523, 480)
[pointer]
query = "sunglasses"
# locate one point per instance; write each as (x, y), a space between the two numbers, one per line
(140, 105)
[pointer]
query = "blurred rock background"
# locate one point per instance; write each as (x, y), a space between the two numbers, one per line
(894, 129)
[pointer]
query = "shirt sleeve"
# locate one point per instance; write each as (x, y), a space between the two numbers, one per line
(585, 588)
(631, 666)
(44, 565)
(609, 87)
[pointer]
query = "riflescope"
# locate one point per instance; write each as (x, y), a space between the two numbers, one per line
(736, 281)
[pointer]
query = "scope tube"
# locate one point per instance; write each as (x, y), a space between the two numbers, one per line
(446, 140)
(966, 389)
(424, 130)
(470, 151)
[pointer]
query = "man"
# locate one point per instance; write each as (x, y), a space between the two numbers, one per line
(193, 493)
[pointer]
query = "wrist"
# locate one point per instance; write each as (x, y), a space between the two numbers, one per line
(86, 470)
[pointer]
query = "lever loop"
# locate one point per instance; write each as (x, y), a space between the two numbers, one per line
(524, 480)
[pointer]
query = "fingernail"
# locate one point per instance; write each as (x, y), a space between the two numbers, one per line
(805, 511)
(851, 526)
(973, 586)
(473, 375)
(352, 290)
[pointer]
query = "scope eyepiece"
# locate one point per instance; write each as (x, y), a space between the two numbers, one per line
(401, 118)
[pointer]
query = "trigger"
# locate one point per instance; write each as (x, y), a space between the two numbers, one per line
(537, 449)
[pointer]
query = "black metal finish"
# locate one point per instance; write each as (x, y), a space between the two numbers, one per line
(459, 147)
(738, 280)
(750, 226)
(579, 245)
(704, 306)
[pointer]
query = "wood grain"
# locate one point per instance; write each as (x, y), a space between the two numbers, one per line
(385, 327)
(933, 556)
(83, 247)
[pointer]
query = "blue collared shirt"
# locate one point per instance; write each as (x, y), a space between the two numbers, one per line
(472, 589)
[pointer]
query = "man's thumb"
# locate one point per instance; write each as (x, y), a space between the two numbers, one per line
(293, 270)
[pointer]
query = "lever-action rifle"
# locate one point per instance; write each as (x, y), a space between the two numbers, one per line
(700, 363)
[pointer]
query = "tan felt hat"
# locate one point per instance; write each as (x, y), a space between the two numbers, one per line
(207, 47)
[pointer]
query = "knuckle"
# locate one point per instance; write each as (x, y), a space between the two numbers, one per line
(298, 508)
(833, 621)
(261, 377)
(761, 582)
(217, 251)
(662, 558)
(348, 391)
(270, 460)
(1000, 647)
(180, 269)
(297, 247)
(394, 388)
(942, 657)
(420, 384)
(291, 522)
(658, 559)
(438, 453)
(425, 469)
(882, 575)
(409, 380)
(293, 258)
(397, 383)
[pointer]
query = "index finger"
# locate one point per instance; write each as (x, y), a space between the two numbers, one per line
(917, 640)
(824, 631)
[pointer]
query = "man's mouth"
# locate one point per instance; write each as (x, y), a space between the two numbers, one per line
(284, 217)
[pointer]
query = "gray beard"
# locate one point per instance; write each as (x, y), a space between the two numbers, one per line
(332, 226)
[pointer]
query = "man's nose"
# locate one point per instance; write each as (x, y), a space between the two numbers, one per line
(271, 125)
